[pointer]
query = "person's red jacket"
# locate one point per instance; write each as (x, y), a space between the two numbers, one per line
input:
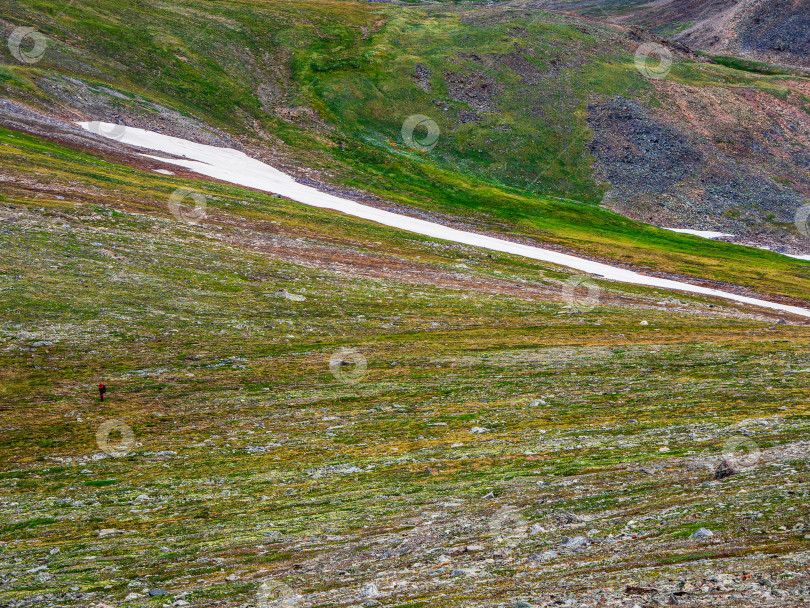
(101, 390)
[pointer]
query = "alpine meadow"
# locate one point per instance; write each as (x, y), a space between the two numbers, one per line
(404, 304)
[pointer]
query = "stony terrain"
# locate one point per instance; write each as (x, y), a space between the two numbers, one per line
(772, 31)
(301, 415)
(305, 409)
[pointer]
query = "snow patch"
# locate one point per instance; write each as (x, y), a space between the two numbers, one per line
(706, 234)
(238, 168)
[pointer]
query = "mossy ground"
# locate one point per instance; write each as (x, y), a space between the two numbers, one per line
(254, 461)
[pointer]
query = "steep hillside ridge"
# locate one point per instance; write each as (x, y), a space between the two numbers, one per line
(773, 31)
(777, 31)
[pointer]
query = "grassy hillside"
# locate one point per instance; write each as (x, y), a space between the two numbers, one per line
(487, 404)
(328, 85)
(307, 409)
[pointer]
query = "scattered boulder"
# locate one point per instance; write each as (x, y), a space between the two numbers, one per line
(637, 590)
(537, 529)
(724, 469)
(543, 557)
(702, 533)
(567, 518)
(369, 590)
(44, 577)
(578, 542)
(287, 295)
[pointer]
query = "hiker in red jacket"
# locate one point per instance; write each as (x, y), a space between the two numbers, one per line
(101, 390)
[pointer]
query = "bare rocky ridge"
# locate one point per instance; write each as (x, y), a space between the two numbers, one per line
(669, 175)
(773, 31)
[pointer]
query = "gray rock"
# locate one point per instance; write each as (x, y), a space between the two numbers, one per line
(543, 557)
(565, 517)
(537, 529)
(294, 297)
(702, 533)
(578, 542)
(155, 592)
(369, 590)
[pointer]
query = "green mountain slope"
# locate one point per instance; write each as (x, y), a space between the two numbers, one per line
(526, 103)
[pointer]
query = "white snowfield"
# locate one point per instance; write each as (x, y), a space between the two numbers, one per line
(706, 234)
(236, 167)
